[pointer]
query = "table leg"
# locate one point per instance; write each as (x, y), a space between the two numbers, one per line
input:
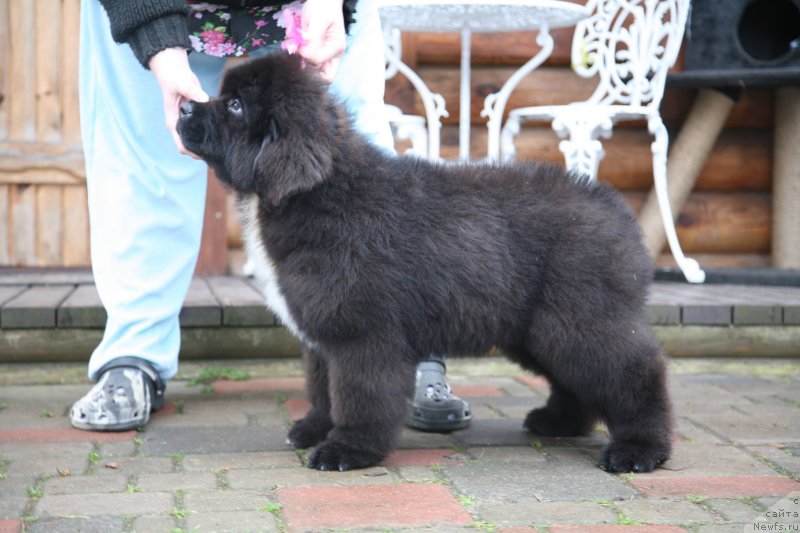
(432, 102)
(465, 114)
(495, 103)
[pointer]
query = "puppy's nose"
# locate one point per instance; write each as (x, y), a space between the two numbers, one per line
(187, 108)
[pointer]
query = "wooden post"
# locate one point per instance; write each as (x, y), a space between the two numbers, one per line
(213, 258)
(786, 176)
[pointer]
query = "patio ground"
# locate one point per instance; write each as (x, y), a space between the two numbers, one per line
(215, 459)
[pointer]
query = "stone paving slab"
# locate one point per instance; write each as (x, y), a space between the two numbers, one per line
(171, 440)
(95, 524)
(215, 459)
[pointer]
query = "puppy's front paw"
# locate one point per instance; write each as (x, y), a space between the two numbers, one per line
(308, 432)
(632, 457)
(331, 455)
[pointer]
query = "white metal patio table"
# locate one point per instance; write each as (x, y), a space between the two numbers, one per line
(465, 17)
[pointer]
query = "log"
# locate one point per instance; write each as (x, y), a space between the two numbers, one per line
(720, 260)
(546, 85)
(550, 85)
(502, 49)
(740, 160)
(752, 110)
(720, 222)
(710, 223)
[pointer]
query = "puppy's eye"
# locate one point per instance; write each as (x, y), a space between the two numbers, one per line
(235, 106)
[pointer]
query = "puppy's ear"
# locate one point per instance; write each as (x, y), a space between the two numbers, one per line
(291, 163)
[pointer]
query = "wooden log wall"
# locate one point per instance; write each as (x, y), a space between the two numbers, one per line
(727, 220)
(43, 215)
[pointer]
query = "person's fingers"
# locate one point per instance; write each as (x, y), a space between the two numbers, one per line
(194, 91)
(171, 110)
(171, 113)
(178, 83)
(328, 70)
(321, 50)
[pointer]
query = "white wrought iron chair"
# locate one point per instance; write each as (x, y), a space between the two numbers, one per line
(629, 45)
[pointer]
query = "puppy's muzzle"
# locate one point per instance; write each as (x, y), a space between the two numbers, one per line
(187, 108)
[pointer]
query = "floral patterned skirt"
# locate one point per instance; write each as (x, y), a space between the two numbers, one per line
(224, 31)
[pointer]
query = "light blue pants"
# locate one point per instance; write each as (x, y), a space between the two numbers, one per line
(146, 200)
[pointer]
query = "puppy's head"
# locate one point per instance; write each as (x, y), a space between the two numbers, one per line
(270, 131)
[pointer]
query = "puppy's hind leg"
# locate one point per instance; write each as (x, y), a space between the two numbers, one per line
(563, 416)
(313, 428)
(369, 401)
(614, 366)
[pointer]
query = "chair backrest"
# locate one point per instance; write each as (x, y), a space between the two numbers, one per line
(630, 45)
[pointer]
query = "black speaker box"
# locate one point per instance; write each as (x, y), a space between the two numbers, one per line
(736, 43)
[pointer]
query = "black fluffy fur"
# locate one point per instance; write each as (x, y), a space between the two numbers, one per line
(383, 260)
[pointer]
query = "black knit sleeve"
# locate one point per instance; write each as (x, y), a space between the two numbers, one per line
(148, 26)
(349, 10)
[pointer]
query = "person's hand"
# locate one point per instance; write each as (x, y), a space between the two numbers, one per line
(178, 83)
(323, 29)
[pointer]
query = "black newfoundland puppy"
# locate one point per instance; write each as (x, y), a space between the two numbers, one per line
(376, 261)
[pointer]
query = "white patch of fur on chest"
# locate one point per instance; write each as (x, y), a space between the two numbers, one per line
(264, 268)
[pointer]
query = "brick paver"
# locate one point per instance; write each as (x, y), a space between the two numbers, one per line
(406, 505)
(216, 459)
(431, 457)
(649, 528)
(546, 513)
(297, 407)
(738, 486)
(72, 524)
(536, 382)
(239, 461)
(260, 385)
(667, 511)
(232, 522)
(465, 390)
(125, 503)
(10, 526)
(62, 435)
